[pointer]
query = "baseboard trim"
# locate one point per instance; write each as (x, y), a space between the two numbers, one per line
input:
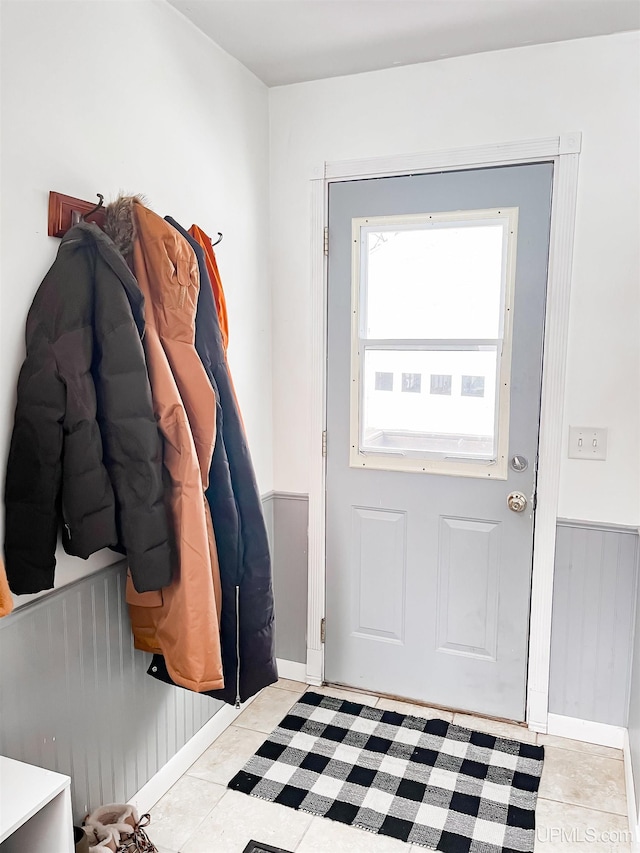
(292, 670)
(178, 765)
(634, 823)
(586, 730)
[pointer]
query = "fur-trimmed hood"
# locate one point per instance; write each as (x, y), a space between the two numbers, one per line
(120, 222)
(86, 234)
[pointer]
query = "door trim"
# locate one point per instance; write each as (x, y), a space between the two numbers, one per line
(564, 152)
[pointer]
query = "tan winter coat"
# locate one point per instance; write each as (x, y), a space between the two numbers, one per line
(181, 621)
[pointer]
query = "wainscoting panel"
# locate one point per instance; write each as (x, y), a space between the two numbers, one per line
(593, 622)
(634, 717)
(75, 696)
(288, 515)
(267, 511)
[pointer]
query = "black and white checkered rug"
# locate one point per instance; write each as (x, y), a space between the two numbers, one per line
(426, 782)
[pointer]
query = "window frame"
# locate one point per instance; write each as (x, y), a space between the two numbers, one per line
(429, 461)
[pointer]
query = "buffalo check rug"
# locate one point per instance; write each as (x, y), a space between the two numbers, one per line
(426, 782)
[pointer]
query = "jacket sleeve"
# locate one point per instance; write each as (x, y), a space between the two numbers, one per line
(133, 452)
(34, 471)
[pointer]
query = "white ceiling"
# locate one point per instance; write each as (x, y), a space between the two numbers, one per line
(288, 41)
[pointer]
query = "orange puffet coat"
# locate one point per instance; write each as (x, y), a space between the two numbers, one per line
(181, 621)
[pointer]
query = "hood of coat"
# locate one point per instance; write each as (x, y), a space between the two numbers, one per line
(163, 262)
(87, 233)
(120, 222)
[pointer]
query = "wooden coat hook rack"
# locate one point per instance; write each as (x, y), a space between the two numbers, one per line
(65, 211)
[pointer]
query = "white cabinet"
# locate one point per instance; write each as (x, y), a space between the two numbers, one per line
(35, 809)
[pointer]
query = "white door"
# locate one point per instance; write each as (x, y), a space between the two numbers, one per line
(436, 300)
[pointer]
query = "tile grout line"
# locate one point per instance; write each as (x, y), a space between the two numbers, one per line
(585, 751)
(197, 827)
(191, 835)
(581, 806)
(290, 689)
(302, 837)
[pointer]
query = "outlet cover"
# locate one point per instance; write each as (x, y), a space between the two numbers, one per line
(587, 443)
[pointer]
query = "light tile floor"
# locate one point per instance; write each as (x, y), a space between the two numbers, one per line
(581, 804)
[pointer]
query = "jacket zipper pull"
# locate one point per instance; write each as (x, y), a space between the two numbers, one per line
(238, 703)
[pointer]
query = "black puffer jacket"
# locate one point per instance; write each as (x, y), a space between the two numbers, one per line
(247, 625)
(85, 449)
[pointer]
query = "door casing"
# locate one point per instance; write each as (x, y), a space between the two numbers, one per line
(563, 151)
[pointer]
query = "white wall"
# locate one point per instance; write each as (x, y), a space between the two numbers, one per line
(589, 85)
(109, 96)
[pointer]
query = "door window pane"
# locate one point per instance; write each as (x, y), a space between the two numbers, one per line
(431, 300)
(442, 280)
(448, 425)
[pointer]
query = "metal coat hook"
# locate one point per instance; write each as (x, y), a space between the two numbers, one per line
(96, 208)
(219, 240)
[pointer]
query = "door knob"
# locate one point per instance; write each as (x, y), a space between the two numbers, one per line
(517, 501)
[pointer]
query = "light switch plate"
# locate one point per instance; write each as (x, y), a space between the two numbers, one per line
(587, 443)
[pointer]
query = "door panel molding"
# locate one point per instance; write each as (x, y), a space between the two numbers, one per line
(563, 150)
(473, 630)
(383, 538)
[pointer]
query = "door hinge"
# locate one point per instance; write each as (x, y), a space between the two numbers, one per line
(323, 629)
(326, 239)
(324, 442)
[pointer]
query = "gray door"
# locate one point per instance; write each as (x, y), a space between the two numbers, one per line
(436, 301)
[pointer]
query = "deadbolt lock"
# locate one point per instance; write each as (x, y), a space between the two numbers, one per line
(517, 502)
(519, 463)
